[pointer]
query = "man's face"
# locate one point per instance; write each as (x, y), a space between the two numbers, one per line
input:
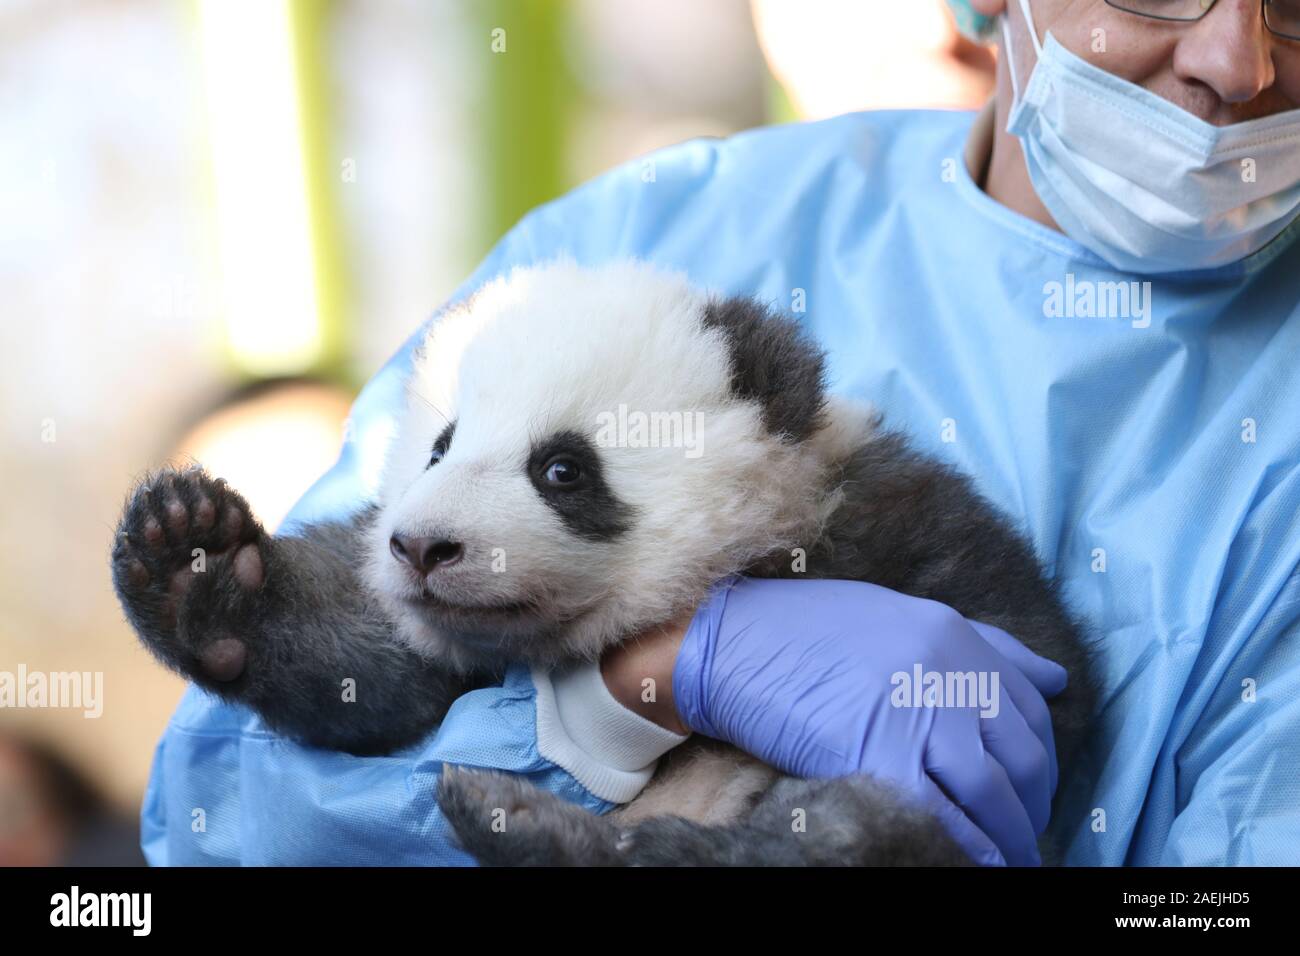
(1224, 68)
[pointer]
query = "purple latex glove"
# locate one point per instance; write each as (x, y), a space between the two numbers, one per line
(801, 674)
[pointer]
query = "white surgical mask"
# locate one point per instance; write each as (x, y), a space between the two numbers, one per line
(1144, 184)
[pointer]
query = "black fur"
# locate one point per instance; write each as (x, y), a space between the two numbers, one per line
(772, 363)
(915, 525)
(588, 507)
(307, 628)
(850, 821)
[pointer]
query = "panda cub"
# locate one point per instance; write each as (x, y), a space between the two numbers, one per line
(518, 520)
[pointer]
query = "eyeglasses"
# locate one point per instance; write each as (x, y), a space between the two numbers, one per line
(1282, 17)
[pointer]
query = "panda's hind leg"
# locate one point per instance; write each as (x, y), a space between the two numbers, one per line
(503, 820)
(849, 821)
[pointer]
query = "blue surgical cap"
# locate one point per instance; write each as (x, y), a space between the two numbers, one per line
(978, 27)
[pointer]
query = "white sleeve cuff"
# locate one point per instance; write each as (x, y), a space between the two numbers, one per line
(581, 728)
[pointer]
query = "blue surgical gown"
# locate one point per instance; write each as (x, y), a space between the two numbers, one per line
(1145, 438)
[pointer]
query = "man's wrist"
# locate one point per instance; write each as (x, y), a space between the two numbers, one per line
(639, 674)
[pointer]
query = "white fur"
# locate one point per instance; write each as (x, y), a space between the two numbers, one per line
(549, 349)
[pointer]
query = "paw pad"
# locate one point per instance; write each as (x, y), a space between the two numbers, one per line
(155, 572)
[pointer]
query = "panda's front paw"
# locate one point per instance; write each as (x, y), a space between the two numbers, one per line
(503, 820)
(188, 561)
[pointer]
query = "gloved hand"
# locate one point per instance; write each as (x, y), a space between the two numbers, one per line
(798, 673)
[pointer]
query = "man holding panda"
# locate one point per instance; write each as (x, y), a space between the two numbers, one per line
(1154, 465)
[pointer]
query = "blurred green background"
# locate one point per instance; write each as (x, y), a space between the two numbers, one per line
(219, 217)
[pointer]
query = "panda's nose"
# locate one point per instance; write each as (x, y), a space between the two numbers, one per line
(424, 554)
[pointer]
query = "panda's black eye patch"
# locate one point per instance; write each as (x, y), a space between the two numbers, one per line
(565, 468)
(441, 444)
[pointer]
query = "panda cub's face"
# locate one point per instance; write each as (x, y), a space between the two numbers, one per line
(584, 452)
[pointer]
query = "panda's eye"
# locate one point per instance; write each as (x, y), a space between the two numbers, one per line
(441, 444)
(562, 471)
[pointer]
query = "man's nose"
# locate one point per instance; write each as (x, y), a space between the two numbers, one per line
(425, 554)
(1229, 50)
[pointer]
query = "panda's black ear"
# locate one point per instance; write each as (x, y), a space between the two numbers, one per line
(774, 363)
